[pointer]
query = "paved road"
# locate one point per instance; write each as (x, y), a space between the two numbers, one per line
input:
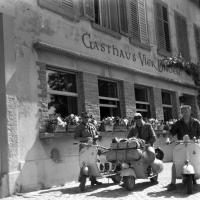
(144, 190)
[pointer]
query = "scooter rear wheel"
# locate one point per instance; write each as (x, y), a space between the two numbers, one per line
(129, 182)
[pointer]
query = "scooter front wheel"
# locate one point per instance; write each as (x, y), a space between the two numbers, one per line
(129, 182)
(82, 181)
(116, 179)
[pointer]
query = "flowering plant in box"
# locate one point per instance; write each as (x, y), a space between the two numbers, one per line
(120, 121)
(120, 124)
(168, 124)
(72, 120)
(108, 121)
(51, 123)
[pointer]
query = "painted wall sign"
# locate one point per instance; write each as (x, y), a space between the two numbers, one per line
(113, 50)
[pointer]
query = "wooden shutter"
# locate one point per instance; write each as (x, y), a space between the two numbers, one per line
(142, 22)
(159, 26)
(113, 15)
(104, 13)
(123, 21)
(181, 36)
(88, 9)
(197, 40)
(64, 7)
(134, 20)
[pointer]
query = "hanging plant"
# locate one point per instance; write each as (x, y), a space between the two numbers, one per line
(190, 68)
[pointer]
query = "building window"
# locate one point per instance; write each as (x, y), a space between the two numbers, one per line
(142, 101)
(62, 92)
(138, 22)
(63, 7)
(181, 35)
(197, 40)
(111, 14)
(167, 105)
(162, 27)
(108, 98)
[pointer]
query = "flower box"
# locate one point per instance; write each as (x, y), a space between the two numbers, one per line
(108, 128)
(71, 128)
(120, 128)
(59, 129)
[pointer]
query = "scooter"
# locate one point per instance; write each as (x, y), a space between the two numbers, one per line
(186, 157)
(147, 167)
(93, 163)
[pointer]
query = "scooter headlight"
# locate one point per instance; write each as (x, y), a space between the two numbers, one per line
(124, 165)
(85, 170)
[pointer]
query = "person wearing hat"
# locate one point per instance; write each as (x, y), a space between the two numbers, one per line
(142, 130)
(87, 132)
(184, 126)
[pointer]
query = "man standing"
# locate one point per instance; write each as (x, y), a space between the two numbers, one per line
(142, 130)
(87, 132)
(184, 126)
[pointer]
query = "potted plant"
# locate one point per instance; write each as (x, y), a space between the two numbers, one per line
(108, 123)
(72, 121)
(120, 124)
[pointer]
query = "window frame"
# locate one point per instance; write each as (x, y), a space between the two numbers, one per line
(62, 93)
(171, 100)
(117, 34)
(70, 13)
(117, 100)
(147, 103)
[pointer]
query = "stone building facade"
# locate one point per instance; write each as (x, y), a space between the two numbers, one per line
(109, 63)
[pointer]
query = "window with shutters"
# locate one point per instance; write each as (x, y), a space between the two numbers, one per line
(109, 16)
(138, 23)
(162, 27)
(182, 36)
(197, 40)
(63, 7)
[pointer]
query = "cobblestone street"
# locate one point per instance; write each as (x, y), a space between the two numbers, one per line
(143, 190)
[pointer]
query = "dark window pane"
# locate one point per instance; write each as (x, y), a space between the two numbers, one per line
(166, 98)
(109, 111)
(167, 113)
(107, 89)
(97, 11)
(102, 101)
(165, 17)
(141, 94)
(166, 31)
(64, 105)
(62, 81)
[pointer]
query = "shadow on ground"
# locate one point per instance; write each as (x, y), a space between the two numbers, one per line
(180, 192)
(109, 190)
